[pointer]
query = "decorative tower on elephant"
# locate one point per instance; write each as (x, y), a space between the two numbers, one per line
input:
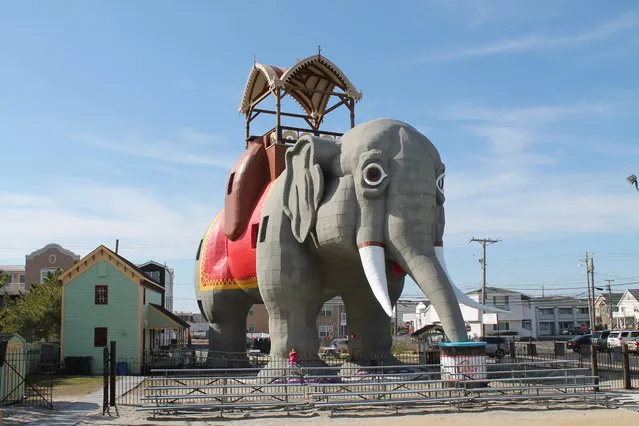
(310, 215)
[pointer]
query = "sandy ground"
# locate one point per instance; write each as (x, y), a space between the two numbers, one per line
(520, 416)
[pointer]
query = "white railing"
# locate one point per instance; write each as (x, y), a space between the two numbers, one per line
(14, 288)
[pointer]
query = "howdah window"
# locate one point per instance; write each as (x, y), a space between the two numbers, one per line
(100, 337)
(101, 295)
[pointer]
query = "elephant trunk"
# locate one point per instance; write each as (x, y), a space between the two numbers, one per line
(424, 267)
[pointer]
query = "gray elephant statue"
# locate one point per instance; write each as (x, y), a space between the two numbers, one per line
(349, 217)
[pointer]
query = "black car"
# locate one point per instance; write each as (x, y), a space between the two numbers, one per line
(600, 339)
(578, 342)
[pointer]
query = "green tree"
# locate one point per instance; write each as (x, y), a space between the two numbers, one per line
(3, 278)
(37, 314)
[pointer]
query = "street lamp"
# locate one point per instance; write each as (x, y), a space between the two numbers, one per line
(632, 179)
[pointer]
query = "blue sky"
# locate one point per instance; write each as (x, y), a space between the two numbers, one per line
(119, 120)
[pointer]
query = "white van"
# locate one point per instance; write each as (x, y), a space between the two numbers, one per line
(616, 338)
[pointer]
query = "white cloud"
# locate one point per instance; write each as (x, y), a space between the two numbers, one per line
(84, 216)
(190, 147)
(532, 42)
(509, 195)
(539, 206)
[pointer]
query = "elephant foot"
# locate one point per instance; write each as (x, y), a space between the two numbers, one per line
(227, 360)
(378, 363)
(280, 370)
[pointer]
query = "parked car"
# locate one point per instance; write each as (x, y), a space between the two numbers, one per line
(336, 347)
(616, 338)
(600, 339)
(633, 345)
(578, 342)
(496, 347)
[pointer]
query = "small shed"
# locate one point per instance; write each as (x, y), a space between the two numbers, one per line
(13, 368)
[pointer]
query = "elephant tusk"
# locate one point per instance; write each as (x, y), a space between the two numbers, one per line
(374, 263)
(461, 296)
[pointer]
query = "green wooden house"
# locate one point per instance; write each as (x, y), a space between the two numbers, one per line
(107, 298)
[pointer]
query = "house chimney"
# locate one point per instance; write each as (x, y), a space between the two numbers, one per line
(117, 245)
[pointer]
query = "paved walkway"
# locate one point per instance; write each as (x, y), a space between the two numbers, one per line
(67, 412)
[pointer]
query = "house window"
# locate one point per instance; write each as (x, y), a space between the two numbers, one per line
(100, 337)
(154, 275)
(546, 311)
(526, 324)
(342, 320)
(566, 325)
(325, 331)
(503, 326)
(45, 273)
(327, 311)
(582, 311)
(22, 279)
(565, 311)
(101, 295)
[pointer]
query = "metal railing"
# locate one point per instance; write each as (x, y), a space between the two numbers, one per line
(337, 388)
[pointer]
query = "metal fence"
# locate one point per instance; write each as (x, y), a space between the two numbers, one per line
(615, 367)
(283, 389)
(26, 380)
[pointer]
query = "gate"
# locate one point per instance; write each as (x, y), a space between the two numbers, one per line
(108, 377)
(24, 380)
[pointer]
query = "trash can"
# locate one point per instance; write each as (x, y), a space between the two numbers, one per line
(122, 368)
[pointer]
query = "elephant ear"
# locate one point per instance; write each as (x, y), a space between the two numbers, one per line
(303, 187)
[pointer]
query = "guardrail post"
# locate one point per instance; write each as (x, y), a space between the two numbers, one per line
(594, 366)
(625, 365)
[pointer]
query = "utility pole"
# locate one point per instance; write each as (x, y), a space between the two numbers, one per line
(609, 304)
(587, 260)
(592, 286)
(590, 282)
(483, 242)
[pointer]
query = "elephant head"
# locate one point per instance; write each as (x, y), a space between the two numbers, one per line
(392, 178)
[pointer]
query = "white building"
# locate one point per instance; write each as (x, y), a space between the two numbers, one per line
(556, 315)
(16, 283)
(517, 322)
(627, 315)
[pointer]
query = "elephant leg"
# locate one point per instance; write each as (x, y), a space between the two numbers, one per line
(227, 314)
(369, 327)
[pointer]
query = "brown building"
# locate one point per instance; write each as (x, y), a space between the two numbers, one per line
(257, 319)
(45, 261)
(331, 322)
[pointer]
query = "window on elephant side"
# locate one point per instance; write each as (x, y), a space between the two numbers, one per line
(101, 295)
(100, 335)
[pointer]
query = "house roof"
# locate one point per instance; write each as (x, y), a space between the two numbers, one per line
(634, 292)
(615, 297)
(53, 246)
(5, 337)
(169, 314)
(495, 290)
(12, 268)
(103, 254)
(427, 329)
(153, 262)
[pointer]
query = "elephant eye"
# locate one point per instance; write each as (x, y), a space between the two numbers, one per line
(373, 174)
(440, 182)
